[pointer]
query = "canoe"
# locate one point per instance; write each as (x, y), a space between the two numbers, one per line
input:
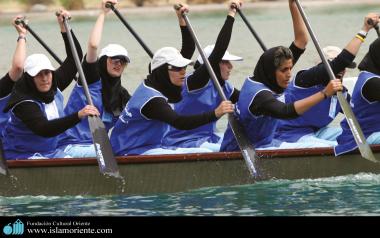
(175, 173)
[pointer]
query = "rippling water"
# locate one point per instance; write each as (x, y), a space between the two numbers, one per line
(346, 195)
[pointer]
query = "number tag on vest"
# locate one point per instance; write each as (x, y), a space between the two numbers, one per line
(106, 117)
(333, 103)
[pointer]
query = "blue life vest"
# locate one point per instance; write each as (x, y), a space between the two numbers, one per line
(259, 129)
(312, 120)
(21, 143)
(195, 102)
(4, 117)
(81, 134)
(133, 133)
(367, 114)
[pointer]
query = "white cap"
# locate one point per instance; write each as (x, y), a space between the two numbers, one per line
(112, 50)
(331, 52)
(227, 56)
(168, 55)
(37, 62)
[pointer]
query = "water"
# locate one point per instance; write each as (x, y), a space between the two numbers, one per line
(341, 196)
(346, 195)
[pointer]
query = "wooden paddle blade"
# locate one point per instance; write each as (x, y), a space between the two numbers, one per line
(104, 153)
(245, 145)
(364, 148)
(3, 162)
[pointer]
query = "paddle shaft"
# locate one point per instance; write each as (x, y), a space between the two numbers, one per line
(242, 140)
(357, 132)
(122, 19)
(3, 162)
(103, 148)
(261, 43)
(21, 21)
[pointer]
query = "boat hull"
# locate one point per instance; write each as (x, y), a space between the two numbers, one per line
(174, 173)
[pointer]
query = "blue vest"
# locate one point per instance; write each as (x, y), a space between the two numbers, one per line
(133, 133)
(21, 143)
(4, 117)
(201, 100)
(81, 134)
(312, 120)
(367, 114)
(259, 129)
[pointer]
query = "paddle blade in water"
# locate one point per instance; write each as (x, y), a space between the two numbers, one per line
(104, 154)
(245, 145)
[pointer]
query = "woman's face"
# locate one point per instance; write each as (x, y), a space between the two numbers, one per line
(225, 69)
(115, 67)
(177, 75)
(43, 80)
(284, 73)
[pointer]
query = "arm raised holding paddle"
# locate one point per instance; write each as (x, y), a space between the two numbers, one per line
(103, 72)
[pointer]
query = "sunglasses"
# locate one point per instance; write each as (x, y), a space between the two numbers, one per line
(176, 69)
(117, 60)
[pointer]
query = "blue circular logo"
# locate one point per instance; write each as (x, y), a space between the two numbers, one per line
(7, 229)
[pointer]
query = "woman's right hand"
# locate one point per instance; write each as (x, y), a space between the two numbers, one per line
(370, 18)
(333, 87)
(106, 9)
(223, 108)
(233, 5)
(19, 27)
(88, 110)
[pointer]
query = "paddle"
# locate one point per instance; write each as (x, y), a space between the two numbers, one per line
(261, 43)
(103, 148)
(3, 162)
(122, 19)
(376, 26)
(25, 24)
(245, 146)
(357, 132)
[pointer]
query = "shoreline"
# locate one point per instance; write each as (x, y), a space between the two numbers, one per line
(167, 8)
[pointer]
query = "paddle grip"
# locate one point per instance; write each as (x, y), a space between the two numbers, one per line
(177, 6)
(58, 14)
(110, 5)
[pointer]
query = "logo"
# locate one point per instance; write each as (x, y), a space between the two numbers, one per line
(16, 229)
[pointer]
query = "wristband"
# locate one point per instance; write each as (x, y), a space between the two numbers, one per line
(21, 37)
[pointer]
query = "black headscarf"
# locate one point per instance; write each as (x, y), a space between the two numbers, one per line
(159, 79)
(114, 96)
(25, 89)
(216, 71)
(371, 61)
(265, 70)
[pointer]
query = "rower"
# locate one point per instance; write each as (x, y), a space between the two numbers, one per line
(36, 106)
(103, 77)
(200, 94)
(365, 101)
(311, 128)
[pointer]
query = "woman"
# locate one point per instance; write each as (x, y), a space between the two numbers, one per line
(311, 129)
(261, 101)
(199, 92)
(36, 106)
(103, 77)
(365, 102)
(14, 74)
(141, 127)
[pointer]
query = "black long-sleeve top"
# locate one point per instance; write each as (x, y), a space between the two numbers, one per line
(30, 113)
(319, 75)
(200, 76)
(6, 85)
(266, 104)
(371, 89)
(159, 109)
